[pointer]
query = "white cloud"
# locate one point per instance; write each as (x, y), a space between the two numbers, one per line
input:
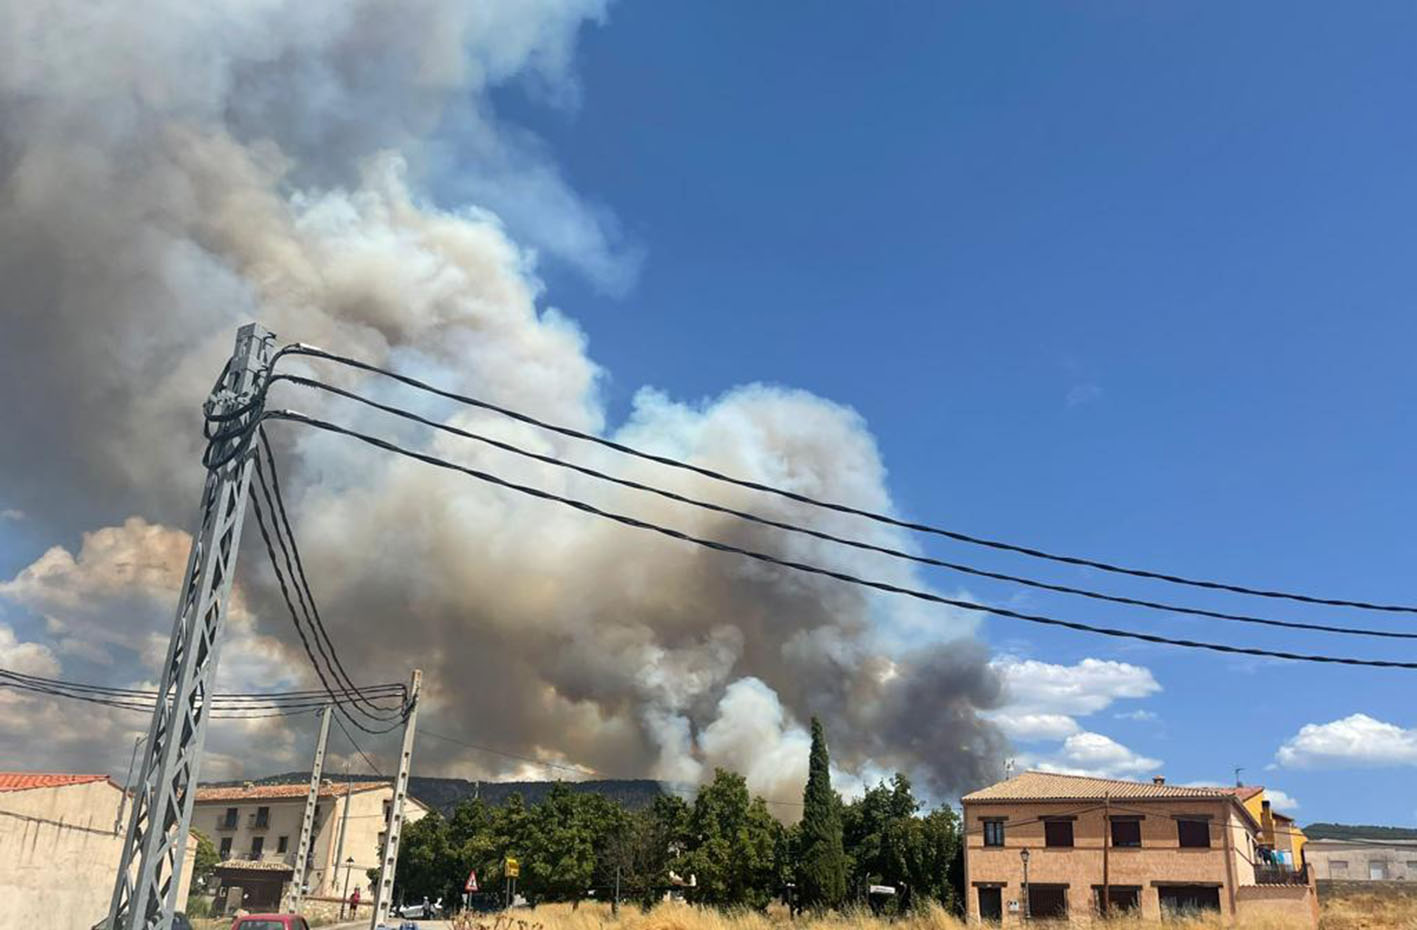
(10, 513)
(26, 658)
(1088, 753)
(1033, 687)
(1356, 741)
(1029, 727)
(1280, 800)
(1042, 700)
(1137, 715)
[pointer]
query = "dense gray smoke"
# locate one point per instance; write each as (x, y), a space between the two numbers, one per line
(166, 175)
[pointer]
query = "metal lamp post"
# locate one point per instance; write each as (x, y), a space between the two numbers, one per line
(1027, 909)
(348, 866)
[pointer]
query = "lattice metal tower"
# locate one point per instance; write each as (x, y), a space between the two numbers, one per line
(150, 870)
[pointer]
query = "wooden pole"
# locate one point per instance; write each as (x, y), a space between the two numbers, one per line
(1106, 848)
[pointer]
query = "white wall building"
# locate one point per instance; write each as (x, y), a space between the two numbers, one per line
(1363, 860)
(61, 837)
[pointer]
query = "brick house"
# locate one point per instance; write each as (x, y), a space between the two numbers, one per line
(1155, 848)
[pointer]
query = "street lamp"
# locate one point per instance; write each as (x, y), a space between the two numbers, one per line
(348, 865)
(1027, 910)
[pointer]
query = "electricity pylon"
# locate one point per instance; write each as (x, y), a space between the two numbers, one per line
(150, 870)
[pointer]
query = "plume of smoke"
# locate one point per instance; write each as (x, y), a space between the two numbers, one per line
(170, 175)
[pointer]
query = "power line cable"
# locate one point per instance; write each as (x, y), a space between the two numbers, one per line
(829, 537)
(226, 706)
(1032, 552)
(808, 568)
(350, 736)
(285, 533)
(295, 616)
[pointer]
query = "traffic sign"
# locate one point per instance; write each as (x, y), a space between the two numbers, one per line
(513, 868)
(471, 885)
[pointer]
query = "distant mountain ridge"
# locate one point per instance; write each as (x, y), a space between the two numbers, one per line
(445, 794)
(1345, 831)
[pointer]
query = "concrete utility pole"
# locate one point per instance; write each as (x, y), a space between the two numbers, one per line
(150, 867)
(302, 849)
(383, 895)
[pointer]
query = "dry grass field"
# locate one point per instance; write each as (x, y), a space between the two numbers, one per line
(1353, 913)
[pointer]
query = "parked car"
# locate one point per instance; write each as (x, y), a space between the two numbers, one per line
(424, 910)
(270, 922)
(179, 922)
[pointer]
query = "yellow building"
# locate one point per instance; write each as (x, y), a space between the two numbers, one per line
(1279, 830)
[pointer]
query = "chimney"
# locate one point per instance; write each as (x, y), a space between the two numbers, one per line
(1158, 779)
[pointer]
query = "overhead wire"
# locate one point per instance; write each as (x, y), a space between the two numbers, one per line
(830, 537)
(357, 748)
(971, 539)
(808, 568)
(295, 616)
(247, 705)
(286, 534)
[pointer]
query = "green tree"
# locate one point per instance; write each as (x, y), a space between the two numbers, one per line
(653, 844)
(733, 840)
(559, 859)
(888, 842)
(426, 866)
(204, 861)
(821, 858)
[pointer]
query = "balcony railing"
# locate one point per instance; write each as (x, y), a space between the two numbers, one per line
(226, 823)
(1281, 875)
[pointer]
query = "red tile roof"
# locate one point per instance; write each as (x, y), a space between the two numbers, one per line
(23, 781)
(1052, 786)
(282, 792)
(1245, 792)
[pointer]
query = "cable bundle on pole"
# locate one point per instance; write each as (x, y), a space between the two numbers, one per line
(232, 434)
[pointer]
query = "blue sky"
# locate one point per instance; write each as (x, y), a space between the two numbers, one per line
(1127, 280)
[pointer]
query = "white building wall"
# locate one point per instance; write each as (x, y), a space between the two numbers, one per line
(59, 856)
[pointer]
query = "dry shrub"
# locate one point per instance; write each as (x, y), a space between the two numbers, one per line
(1353, 913)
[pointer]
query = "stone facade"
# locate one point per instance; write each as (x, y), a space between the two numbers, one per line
(1157, 850)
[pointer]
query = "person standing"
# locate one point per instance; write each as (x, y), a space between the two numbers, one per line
(354, 901)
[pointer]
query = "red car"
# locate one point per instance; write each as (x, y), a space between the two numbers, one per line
(270, 922)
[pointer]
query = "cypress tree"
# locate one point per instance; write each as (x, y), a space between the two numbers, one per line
(821, 869)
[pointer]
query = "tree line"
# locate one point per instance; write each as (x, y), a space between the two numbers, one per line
(724, 848)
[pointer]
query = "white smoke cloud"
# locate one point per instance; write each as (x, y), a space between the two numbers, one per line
(168, 176)
(1355, 741)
